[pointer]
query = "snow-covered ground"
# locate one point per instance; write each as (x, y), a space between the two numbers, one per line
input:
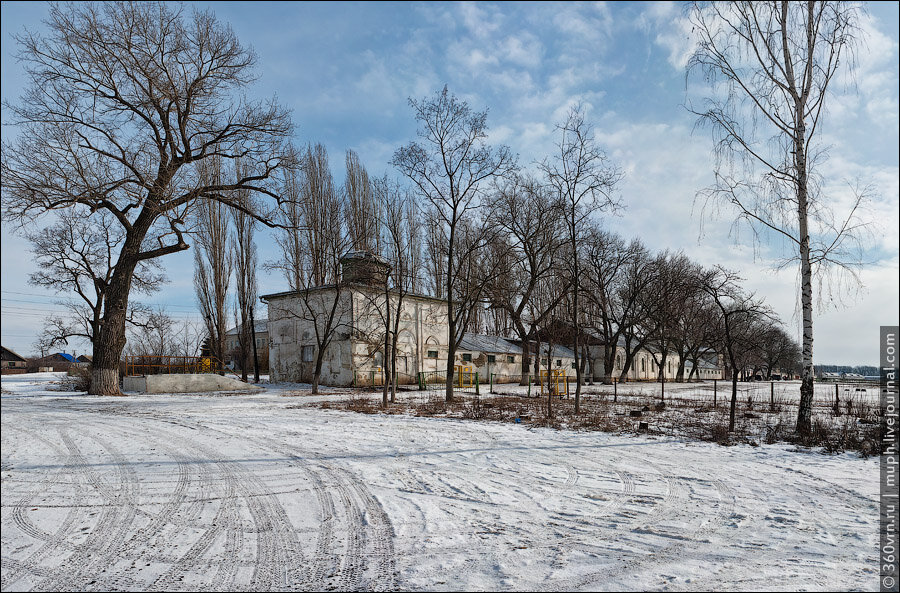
(259, 491)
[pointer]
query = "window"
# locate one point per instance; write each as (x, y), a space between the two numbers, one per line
(306, 353)
(432, 354)
(491, 359)
(558, 363)
(643, 365)
(510, 359)
(619, 362)
(467, 358)
(573, 365)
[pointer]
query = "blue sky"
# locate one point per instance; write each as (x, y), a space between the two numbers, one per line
(346, 71)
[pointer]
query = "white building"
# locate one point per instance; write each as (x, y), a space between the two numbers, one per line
(354, 355)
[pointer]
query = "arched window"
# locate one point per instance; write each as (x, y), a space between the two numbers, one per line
(643, 365)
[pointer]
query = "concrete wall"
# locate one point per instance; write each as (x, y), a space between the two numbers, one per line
(357, 347)
(183, 384)
(293, 324)
(422, 328)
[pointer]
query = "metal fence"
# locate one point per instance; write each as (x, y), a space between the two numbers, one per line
(171, 365)
(465, 380)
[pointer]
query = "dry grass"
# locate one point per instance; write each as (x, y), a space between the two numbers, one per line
(855, 426)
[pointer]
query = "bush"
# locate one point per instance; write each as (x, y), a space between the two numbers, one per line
(80, 376)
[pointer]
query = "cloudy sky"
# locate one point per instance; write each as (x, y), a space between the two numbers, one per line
(347, 70)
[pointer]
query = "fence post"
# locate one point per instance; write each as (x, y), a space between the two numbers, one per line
(477, 390)
(714, 392)
(615, 390)
(772, 395)
(529, 385)
(492, 382)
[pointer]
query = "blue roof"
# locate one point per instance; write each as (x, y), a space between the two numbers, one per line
(68, 357)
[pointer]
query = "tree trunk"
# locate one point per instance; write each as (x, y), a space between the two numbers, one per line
(110, 339)
(451, 359)
(733, 402)
(385, 360)
(243, 347)
(253, 341)
(526, 364)
(609, 364)
(804, 414)
(318, 371)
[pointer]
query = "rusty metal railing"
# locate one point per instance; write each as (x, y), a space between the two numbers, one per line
(170, 365)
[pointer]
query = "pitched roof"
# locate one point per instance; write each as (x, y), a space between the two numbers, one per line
(500, 345)
(491, 344)
(261, 326)
(10, 355)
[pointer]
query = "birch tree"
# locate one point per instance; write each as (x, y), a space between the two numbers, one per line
(772, 66)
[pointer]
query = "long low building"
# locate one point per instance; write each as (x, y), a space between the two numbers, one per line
(353, 313)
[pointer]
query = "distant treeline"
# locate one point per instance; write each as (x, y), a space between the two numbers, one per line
(863, 370)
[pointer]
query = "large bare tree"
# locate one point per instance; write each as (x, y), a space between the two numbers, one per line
(774, 64)
(449, 168)
(583, 179)
(125, 101)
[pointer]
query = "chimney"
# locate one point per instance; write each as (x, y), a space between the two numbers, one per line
(364, 267)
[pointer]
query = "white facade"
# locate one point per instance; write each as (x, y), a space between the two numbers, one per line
(355, 354)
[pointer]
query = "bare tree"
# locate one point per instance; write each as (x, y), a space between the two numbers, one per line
(435, 263)
(777, 61)
(289, 237)
(740, 321)
(606, 255)
(75, 256)
(244, 261)
(449, 169)
(401, 241)
(668, 294)
(362, 213)
(154, 337)
(125, 102)
(526, 254)
(583, 180)
(212, 262)
(621, 276)
(778, 350)
(313, 239)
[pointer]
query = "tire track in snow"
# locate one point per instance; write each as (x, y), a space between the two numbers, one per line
(100, 549)
(52, 542)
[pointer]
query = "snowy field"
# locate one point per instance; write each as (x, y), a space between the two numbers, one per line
(258, 491)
